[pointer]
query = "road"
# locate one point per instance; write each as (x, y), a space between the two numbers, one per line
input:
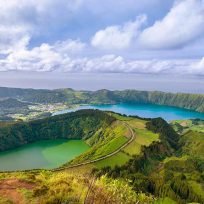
(106, 156)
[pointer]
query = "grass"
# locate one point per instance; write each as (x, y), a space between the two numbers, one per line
(197, 188)
(71, 185)
(118, 159)
(27, 194)
(114, 144)
(105, 142)
(114, 137)
(67, 187)
(183, 158)
(5, 201)
(138, 123)
(183, 126)
(165, 201)
(193, 144)
(143, 138)
(55, 187)
(119, 117)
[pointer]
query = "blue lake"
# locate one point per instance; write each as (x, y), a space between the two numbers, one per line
(145, 110)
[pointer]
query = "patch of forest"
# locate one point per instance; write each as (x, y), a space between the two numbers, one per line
(76, 125)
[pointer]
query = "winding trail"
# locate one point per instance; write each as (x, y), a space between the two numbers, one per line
(106, 156)
(89, 162)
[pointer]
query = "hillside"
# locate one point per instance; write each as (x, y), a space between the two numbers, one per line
(70, 96)
(32, 95)
(78, 125)
(12, 103)
(183, 126)
(104, 132)
(130, 160)
(173, 173)
(10, 106)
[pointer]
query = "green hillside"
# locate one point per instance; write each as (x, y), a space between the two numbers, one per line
(130, 160)
(78, 125)
(115, 136)
(172, 172)
(70, 96)
(183, 126)
(12, 103)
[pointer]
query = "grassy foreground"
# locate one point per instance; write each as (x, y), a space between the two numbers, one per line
(63, 187)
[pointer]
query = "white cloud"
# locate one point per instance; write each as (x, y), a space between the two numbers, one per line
(118, 37)
(43, 58)
(59, 57)
(21, 19)
(183, 24)
(14, 38)
(69, 46)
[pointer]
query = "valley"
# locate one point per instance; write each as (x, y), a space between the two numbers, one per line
(119, 157)
(102, 102)
(128, 156)
(30, 104)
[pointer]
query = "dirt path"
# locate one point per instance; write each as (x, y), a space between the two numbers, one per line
(9, 190)
(108, 155)
(9, 187)
(101, 158)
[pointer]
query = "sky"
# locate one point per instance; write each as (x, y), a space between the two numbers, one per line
(89, 39)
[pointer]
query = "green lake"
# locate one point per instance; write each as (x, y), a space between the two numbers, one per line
(43, 154)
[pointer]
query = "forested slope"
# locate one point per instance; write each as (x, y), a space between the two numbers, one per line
(70, 96)
(171, 169)
(189, 101)
(77, 125)
(12, 103)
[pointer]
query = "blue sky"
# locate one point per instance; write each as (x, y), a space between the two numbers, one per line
(109, 36)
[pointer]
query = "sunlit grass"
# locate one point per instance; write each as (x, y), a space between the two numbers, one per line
(118, 159)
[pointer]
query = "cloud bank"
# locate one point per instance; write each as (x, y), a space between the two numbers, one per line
(49, 36)
(61, 57)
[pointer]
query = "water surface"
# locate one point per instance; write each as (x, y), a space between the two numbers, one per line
(145, 110)
(43, 154)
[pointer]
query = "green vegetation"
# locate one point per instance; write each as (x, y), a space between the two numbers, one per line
(12, 103)
(30, 104)
(173, 172)
(159, 166)
(118, 159)
(78, 125)
(52, 188)
(165, 201)
(189, 101)
(32, 95)
(104, 142)
(70, 96)
(124, 192)
(5, 200)
(167, 134)
(143, 138)
(183, 126)
(192, 144)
